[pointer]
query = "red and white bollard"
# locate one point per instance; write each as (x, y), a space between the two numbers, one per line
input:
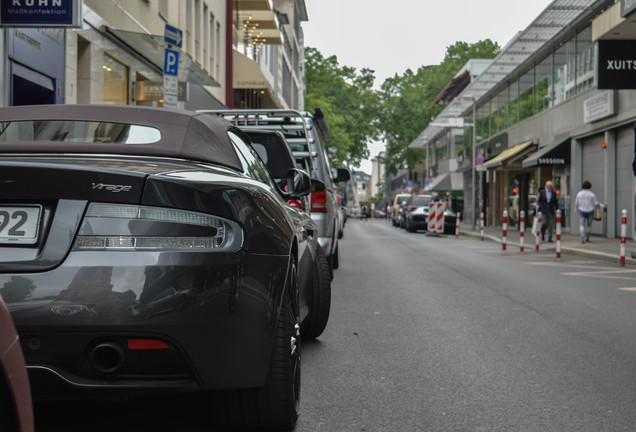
(538, 233)
(439, 227)
(623, 235)
(457, 225)
(505, 232)
(522, 228)
(432, 218)
(481, 225)
(558, 235)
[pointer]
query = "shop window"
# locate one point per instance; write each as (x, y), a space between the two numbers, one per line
(513, 103)
(543, 87)
(526, 99)
(115, 81)
(585, 60)
(483, 121)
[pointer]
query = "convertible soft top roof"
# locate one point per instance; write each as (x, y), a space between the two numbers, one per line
(184, 134)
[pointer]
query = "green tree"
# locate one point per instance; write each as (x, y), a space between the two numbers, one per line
(348, 102)
(18, 288)
(405, 101)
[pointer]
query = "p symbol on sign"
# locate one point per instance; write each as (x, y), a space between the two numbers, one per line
(171, 62)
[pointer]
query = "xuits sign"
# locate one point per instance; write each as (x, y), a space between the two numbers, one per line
(617, 64)
(40, 13)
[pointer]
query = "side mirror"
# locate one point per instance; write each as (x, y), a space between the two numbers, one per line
(343, 175)
(298, 183)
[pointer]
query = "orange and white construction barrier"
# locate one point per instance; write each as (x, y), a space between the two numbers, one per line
(457, 225)
(504, 235)
(481, 225)
(522, 229)
(623, 235)
(538, 233)
(558, 235)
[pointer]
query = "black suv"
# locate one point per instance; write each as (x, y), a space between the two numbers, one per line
(303, 133)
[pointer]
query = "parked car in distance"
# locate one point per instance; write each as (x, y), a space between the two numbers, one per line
(411, 203)
(16, 409)
(398, 200)
(379, 214)
(156, 257)
(418, 220)
(304, 132)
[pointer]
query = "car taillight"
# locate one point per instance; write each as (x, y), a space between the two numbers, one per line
(131, 227)
(319, 202)
(295, 204)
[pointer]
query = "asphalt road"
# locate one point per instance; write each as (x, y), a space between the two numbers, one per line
(445, 334)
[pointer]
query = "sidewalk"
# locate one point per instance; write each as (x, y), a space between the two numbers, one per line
(607, 249)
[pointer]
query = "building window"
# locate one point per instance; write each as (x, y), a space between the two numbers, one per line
(585, 60)
(543, 88)
(212, 48)
(513, 103)
(115, 81)
(526, 98)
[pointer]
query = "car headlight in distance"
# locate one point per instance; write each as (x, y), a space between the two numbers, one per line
(132, 227)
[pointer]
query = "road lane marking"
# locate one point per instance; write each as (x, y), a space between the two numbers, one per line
(608, 274)
(627, 289)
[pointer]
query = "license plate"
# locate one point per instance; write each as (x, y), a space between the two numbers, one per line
(19, 224)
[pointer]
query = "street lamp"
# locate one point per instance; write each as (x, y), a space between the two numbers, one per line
(474, 157)
(427, 164)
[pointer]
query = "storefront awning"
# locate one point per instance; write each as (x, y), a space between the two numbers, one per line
(152, 49)
(511, 154)
(452, 89)
(557, 153)
(447, 182)
(248, 77)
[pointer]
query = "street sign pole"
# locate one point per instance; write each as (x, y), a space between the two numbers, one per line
(172, 36)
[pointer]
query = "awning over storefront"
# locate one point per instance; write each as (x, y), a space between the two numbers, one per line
(452, 89)
(249, 77)
(557, 153)
(152, 49)
(510, 155)
(447, 182)
(247, 73)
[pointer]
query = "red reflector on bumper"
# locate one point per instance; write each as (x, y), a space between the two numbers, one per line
(146, 344)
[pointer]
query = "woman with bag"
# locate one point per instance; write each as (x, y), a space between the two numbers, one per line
(586, 204)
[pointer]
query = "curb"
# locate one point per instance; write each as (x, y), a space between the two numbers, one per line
(615, 258)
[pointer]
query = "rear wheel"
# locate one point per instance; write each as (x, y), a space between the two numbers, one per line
(335, 259)
(275, 405)
(320, 301)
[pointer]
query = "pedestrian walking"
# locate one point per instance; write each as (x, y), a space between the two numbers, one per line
(547, 203)
(585, 204)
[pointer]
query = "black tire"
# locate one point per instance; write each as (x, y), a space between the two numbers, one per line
(275, 405)
(320, 301)
(335, 259)
(409, 227)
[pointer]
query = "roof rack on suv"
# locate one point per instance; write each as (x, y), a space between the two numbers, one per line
(292, 123)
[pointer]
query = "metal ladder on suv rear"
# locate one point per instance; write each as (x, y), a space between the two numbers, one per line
(283, 120)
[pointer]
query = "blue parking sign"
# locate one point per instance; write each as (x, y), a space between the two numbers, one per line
(171, 62)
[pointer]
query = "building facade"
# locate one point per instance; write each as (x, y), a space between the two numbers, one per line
(540, 112)
(232, 54)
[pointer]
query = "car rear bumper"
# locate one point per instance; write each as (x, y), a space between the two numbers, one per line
(214, 312)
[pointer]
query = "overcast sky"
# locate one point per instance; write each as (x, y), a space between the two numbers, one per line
(390, 36)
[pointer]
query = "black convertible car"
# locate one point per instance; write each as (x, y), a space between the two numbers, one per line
(147, 251)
